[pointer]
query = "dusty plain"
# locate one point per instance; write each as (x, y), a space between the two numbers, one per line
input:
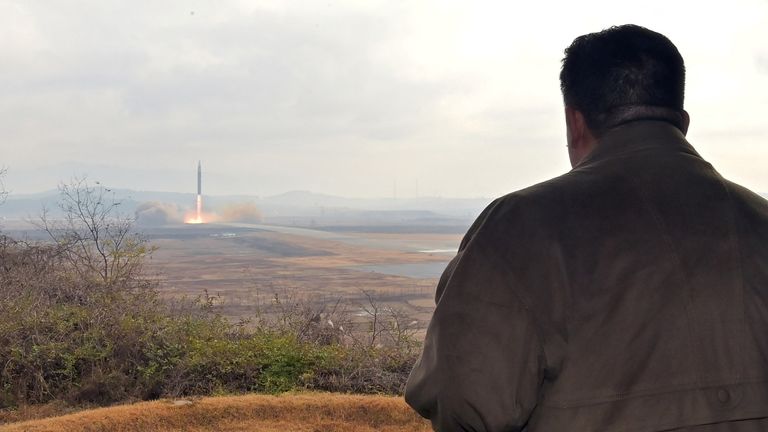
(252, 267)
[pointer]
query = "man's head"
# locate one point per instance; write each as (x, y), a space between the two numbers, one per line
(617, 75)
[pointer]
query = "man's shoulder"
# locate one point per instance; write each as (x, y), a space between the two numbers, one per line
(542, 200)
(545, 191)
(529, 210)
(746, 199)
(745, 193)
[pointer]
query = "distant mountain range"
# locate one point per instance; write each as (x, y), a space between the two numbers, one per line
(295, 207)
(301, 208)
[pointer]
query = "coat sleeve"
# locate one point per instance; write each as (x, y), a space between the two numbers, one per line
(482, 363)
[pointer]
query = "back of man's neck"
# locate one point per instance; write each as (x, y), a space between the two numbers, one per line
(626, 114)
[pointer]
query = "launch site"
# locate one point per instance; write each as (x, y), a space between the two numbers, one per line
(317, 249)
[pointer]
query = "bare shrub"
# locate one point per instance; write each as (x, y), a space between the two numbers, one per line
(3, 192)
(76, 312)
(96, 240)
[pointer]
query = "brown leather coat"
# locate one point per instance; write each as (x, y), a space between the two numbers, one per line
(630, 294)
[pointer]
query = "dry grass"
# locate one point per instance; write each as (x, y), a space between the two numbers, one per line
(313, 412)
(35, 411)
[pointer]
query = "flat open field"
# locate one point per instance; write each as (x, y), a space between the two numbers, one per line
(253, 266)
(297, 413)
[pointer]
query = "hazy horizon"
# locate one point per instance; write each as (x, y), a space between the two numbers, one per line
(93, 182)
(372, 99)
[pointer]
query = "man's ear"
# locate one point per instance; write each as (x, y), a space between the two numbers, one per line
(581, 141)
(577, 127)
(686, 121)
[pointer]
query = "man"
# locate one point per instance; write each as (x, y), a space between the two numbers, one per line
(630, 294)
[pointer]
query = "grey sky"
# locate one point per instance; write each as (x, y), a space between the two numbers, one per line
(354, 98)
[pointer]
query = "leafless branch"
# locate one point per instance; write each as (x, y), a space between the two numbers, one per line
(97, 241)
(3, 192)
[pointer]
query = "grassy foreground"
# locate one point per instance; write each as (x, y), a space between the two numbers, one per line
(309, 412)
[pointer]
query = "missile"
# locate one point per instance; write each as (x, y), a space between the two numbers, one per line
(199, 179)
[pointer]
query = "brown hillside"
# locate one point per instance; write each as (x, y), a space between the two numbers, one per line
(300, 413)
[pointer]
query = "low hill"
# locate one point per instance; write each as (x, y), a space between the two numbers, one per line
(292, 412)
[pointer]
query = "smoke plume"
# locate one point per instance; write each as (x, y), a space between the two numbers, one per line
(156, 213)
(243, 212)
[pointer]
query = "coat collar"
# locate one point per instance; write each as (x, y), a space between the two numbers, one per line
(637, 136)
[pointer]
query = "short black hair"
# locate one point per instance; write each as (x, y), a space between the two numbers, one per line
(619, 68)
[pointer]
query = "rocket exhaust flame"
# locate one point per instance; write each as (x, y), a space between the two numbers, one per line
(197, 218)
